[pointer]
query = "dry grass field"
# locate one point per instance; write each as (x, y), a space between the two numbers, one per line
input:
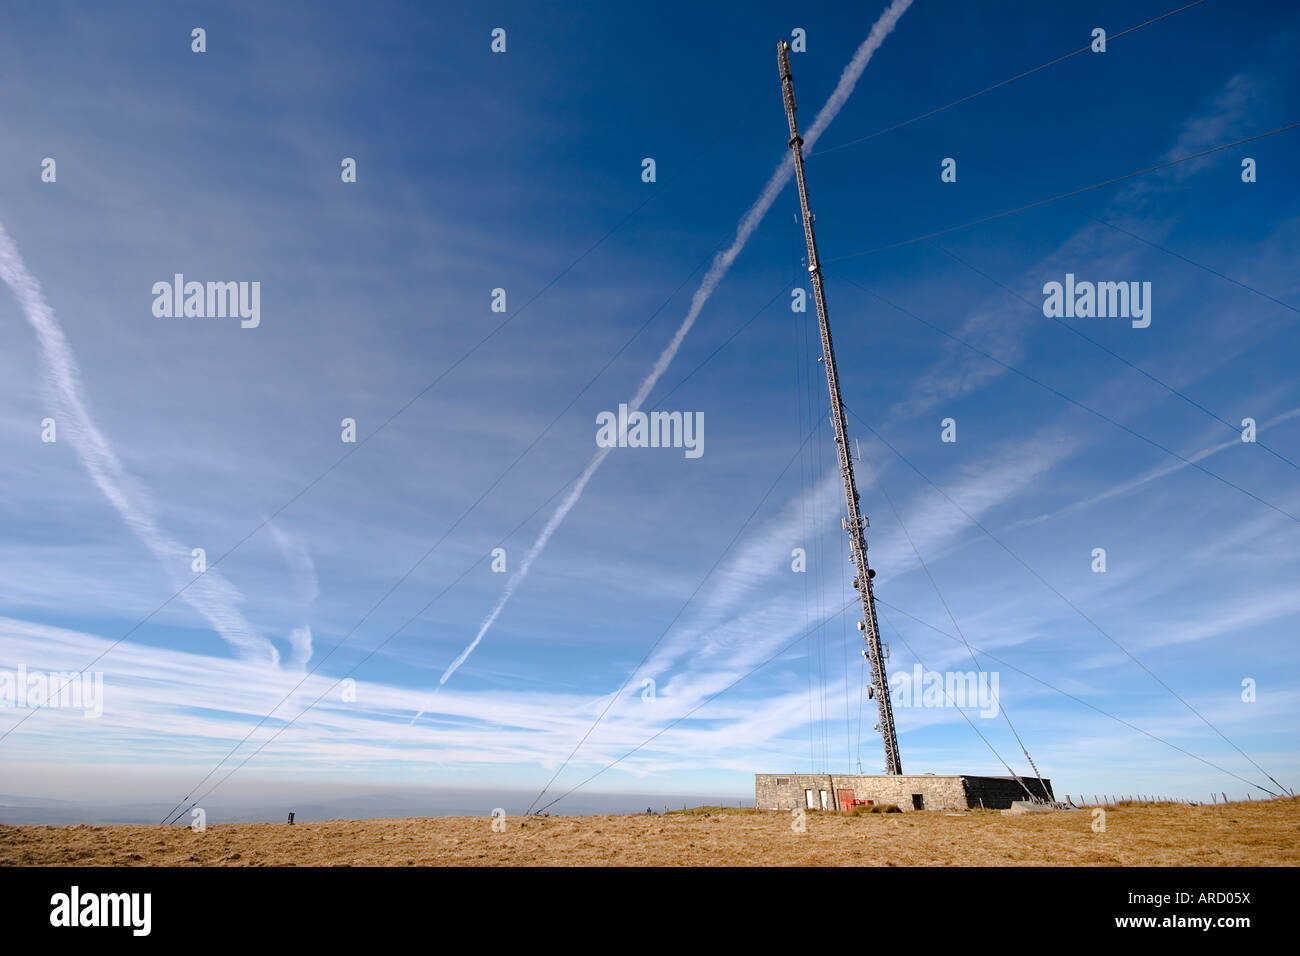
(1236, 834)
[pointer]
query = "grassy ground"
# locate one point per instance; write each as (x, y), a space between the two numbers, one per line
(1237, 834)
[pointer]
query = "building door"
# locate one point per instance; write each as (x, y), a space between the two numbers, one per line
(918, 801)
(809, 800)
(826, 800)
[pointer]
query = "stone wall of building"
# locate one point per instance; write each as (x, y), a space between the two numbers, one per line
(773, 791)
(788, 791)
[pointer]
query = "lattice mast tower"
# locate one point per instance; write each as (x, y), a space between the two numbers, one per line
(855, 524)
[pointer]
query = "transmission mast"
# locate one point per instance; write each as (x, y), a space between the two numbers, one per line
(855, 523)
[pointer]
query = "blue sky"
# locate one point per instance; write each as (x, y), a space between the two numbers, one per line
(478, 171)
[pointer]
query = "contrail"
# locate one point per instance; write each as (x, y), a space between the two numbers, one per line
(212, 596)
(721, 264)
(303, 570)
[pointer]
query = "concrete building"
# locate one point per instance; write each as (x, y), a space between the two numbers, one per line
(908, 791)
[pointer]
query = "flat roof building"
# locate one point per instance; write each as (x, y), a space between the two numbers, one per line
(927, 791)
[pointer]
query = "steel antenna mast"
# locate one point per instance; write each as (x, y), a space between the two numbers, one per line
(855, 523)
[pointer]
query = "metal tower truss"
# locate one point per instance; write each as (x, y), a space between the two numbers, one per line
(856, 523)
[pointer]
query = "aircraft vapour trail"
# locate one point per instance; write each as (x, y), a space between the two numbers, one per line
(721, 264)
(212, 596)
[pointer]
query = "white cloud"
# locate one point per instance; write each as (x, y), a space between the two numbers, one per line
(211, 594)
